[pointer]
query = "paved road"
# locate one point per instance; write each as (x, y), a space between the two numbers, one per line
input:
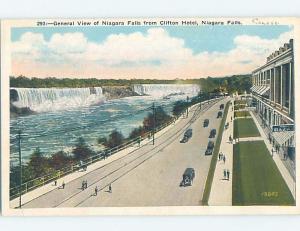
(149, 176)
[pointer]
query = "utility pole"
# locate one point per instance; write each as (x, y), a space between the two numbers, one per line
(187, 107)
(154, 121)
(20, 163)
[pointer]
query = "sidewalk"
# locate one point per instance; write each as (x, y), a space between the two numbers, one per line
(282, 169)
(221, 189)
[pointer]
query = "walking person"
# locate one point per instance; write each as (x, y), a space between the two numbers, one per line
(63, 185)
(82, 185)
(96, 191)
(227, 173)
(272, 151)
(224, 159)
(86, 184)
(109, 188)
(55, 183)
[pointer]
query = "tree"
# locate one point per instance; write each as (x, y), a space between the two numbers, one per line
(81, 150)
(137, 132)
(38, 163)
(114, 139)
(160, 118)
(179, 107)
(59, 160)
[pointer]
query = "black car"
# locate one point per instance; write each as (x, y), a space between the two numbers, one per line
(187, 135)
(210, 148)
(219, 114)
(212, 133)
(206, 123)
(188, 177)
(222, 106)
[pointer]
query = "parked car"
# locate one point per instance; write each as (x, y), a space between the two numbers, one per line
(212, 133)
(187, 135)
(219, 114)
(206, 123)
(210, 148)
(188, 177)
(222, 106)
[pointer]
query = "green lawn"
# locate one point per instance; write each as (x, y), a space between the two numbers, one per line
(256, 179)
(239, 106)
(241, 113)
(236, 102)
(245, 127)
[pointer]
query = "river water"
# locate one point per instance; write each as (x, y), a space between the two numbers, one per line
(60, 128)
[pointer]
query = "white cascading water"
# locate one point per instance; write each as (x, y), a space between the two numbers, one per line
(52, 99)
(160, 90)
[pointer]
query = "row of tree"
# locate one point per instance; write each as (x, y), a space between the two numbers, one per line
(230, 84)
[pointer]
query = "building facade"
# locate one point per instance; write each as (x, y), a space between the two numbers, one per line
(273, 96)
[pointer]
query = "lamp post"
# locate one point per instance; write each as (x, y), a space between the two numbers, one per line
(187, 107)
(154, 121)
(20, 166)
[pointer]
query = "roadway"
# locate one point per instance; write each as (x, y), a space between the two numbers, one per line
(149, 176)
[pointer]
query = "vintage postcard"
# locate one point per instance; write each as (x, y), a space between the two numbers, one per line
(150, 116)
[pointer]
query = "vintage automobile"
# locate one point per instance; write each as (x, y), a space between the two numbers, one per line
(219, 114)
(222, 106)
(212, 133)
(187, 135)
(188, 177)
(210, 148)
(206, 122)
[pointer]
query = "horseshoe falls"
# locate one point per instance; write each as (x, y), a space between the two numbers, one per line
(166, 89)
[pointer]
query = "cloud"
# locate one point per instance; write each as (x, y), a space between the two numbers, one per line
(154, 54)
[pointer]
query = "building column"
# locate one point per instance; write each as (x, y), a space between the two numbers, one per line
(271, 90)
(290, 87)
(281, 97)
(274, 89)
(272, 118)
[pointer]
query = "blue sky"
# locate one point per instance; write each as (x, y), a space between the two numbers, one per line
(199, 39)
(154, 52)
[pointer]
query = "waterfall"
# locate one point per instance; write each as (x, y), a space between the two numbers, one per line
(52, 99)
(160, 90)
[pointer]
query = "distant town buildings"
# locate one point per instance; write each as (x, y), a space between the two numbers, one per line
(273, 96)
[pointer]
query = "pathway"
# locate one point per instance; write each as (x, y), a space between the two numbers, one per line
(221, 190)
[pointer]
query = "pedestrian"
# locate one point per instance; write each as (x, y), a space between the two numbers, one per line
(272, 151)
(63, 185)
(82, 185)
(219, 157)
(96, 190)
(109, 188)
(228, 173)
(230, 139)
(224, 159)
(224, 172)
(55, 183)
(86, 184)
(231, 118)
